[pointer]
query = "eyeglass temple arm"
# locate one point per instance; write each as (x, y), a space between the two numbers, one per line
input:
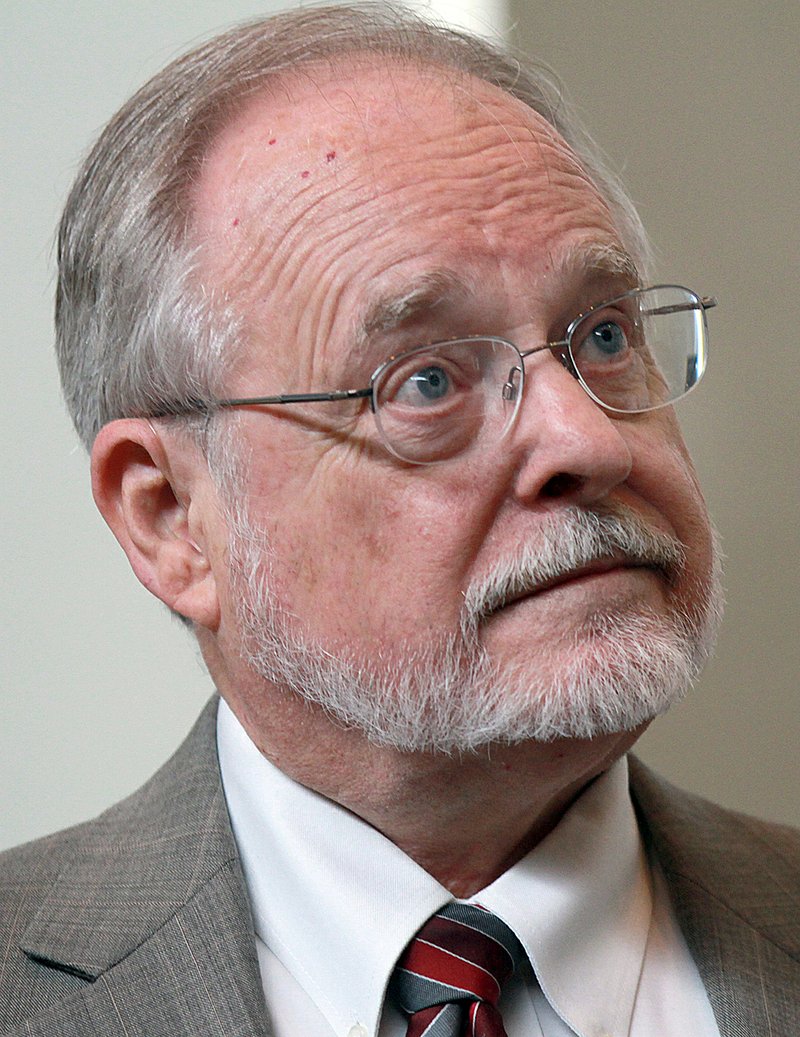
(300, 397)
(707, 302)
(198, 406)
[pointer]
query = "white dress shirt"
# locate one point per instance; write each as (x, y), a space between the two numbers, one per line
(335, 903)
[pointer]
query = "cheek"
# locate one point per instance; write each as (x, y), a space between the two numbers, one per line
(665, 477)
(692, 521)
(684, 503)
(395, 552)
(378, 558)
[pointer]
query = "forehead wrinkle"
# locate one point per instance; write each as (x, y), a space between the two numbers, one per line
(284, 235)
(349, 211)
(495, 119)
(492, 177)
(281, 242)
(491, 148)
(506, 141)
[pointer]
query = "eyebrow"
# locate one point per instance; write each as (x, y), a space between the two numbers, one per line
(596, 258)
(420, 296)
(579, 262)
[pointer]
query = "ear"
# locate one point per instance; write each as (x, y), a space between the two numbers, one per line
(156, 496)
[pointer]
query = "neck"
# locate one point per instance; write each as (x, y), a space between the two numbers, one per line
(464, 819)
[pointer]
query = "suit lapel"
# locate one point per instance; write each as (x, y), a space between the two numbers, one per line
(194, 976)
(150, 909)
(735, 888)
(753, 985)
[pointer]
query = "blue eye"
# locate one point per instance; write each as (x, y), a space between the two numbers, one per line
(431, 383)
(608, 338)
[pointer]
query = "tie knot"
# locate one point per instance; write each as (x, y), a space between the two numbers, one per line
(463, 953)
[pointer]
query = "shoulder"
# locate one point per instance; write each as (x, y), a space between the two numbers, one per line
(684, 819)
(173, 810)
(175, 800)
(74, 903)
(27, 872)
(733, 863)
(31, 880)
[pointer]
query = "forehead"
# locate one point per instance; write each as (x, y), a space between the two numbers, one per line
(336, 184)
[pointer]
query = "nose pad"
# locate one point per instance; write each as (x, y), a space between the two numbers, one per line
(512, 384)
(511, 387)
(562, 354)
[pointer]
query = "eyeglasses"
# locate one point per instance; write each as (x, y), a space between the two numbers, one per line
(640, 351)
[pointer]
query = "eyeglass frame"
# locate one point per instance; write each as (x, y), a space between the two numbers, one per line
(562, 346)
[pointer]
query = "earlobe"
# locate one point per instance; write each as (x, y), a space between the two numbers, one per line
(147, 489)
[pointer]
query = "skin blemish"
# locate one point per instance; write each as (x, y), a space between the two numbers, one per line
(271, 142)
(235, 222)
(331, 155)
(305, 173)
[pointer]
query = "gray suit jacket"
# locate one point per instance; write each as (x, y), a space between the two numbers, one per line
(138, 923)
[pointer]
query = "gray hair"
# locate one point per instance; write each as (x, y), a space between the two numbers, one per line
(136, 333)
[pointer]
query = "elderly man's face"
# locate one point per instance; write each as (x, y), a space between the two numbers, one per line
(354, 217)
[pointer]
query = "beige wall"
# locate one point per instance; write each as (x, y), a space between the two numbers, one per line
(698, 106)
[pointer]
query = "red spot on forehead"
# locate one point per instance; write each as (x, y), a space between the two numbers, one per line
(330, 156)
(272, 141)
(305, 173)
(235, 222)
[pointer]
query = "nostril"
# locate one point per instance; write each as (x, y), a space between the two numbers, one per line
(561, 485)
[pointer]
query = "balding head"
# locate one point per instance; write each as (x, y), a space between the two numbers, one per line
(137, 331)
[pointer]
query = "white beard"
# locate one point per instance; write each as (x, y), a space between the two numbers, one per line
(446, 694)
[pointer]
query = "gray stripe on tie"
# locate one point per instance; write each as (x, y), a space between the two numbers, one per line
(489, 925)
(413, 992)
(447, 1023)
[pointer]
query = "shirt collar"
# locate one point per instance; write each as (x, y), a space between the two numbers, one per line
(337, 902)
(581, 904)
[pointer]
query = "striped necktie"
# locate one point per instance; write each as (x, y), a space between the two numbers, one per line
(449, 978)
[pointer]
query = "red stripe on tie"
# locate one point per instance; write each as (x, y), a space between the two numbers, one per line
(471, 944)
(484, 1021)
(420, 1021)
(442, 966)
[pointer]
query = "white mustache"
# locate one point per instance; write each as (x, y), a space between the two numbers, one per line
(578, 538)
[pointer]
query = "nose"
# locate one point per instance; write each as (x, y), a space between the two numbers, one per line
(568, 448)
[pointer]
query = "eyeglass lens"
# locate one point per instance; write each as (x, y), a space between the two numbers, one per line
(435, 403)
(641, 351)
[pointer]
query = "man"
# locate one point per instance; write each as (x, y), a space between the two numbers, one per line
(359, 334)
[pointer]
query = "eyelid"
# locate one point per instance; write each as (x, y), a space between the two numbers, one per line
(605, 315)
(605, 294)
